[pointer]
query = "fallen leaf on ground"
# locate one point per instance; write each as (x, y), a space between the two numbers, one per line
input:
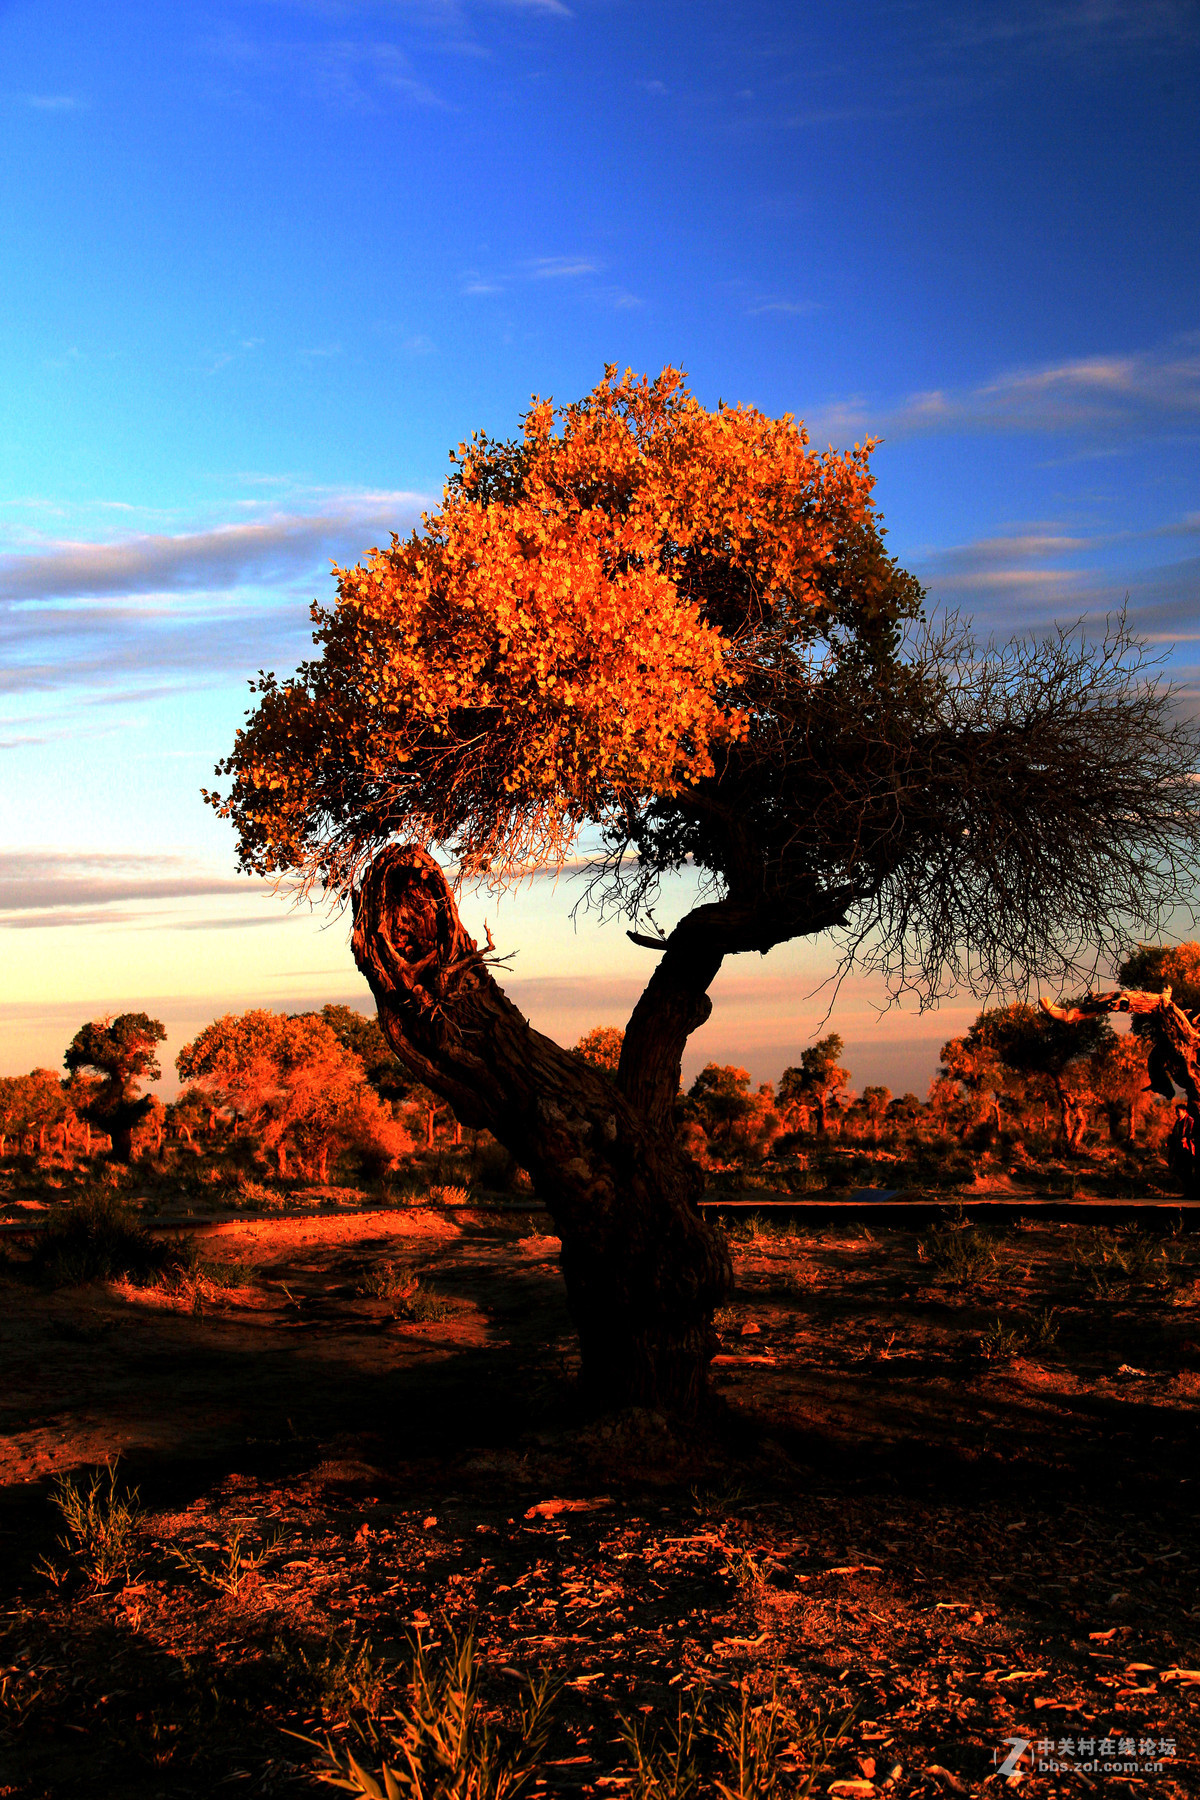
(549, 1509)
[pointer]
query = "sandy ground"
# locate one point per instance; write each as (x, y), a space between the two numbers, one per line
(963, 1547)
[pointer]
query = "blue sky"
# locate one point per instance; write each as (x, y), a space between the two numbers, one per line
(264, 263)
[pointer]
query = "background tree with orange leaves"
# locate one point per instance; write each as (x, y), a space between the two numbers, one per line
(302, 1092)
(681, 629)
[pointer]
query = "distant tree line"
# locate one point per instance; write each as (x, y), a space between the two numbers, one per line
(307, 1093)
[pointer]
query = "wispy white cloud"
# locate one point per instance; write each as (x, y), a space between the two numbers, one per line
(222, 558)
(136, 617)
(1029, 577)
(357, 74)
(59, 885)
(52, 102)
(1135, 393)
(561, 268)
(795, 308)
(1076, 25)
(568, 268)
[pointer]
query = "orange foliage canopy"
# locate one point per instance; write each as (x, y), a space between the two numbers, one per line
(593, 610)
(299, 1087)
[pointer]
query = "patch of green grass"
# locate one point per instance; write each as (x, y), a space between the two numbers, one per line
(439, 1744)
(734, 1747)
(719, 1498)
(343, 1679)
(444, 1195)
(1108, 1261)
(1001, 1340)
(223, 1566)
(103, 1524)
(424, 1306)
(98, 1238)
(387, 1281)
(1042, 1332)
(958, 1254)
(756, 1228)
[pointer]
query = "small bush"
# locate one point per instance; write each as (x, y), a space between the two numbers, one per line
(225, 1570)
(251, 1194)
(423, 1306)
(103, 1524)
(387, 1281)
(960, 1254)
(1042, 1333)
(1107, 1261)
(97, 1238)
(734, 1747)
(438, 1745)
(448, 1196)
(343, 1679)
(1000, 1340)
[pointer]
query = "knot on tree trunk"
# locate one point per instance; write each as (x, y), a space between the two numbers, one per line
(408, 938)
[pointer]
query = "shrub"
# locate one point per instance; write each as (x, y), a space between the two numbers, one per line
(97, 1238)
(423, 1306)
(387, 1281)
(438, 1745)
(734, 1747)
(958, 1253)
(103, 1524)
(1108, 1260)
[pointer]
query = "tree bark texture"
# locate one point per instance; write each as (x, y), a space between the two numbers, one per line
(1174, 1062)
(643, 1271)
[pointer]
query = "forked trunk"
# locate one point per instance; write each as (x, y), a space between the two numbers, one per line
(643, 1271)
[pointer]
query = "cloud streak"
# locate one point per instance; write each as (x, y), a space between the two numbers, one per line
(154, 606)
(479, 283)
(77, 883)
(1135, 394)
(1025, 579)
(226, 557)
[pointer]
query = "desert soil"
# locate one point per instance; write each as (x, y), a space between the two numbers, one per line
(955, 1548)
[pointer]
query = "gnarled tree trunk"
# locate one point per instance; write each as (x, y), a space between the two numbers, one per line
(1174, 1062)
(643, 1271)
